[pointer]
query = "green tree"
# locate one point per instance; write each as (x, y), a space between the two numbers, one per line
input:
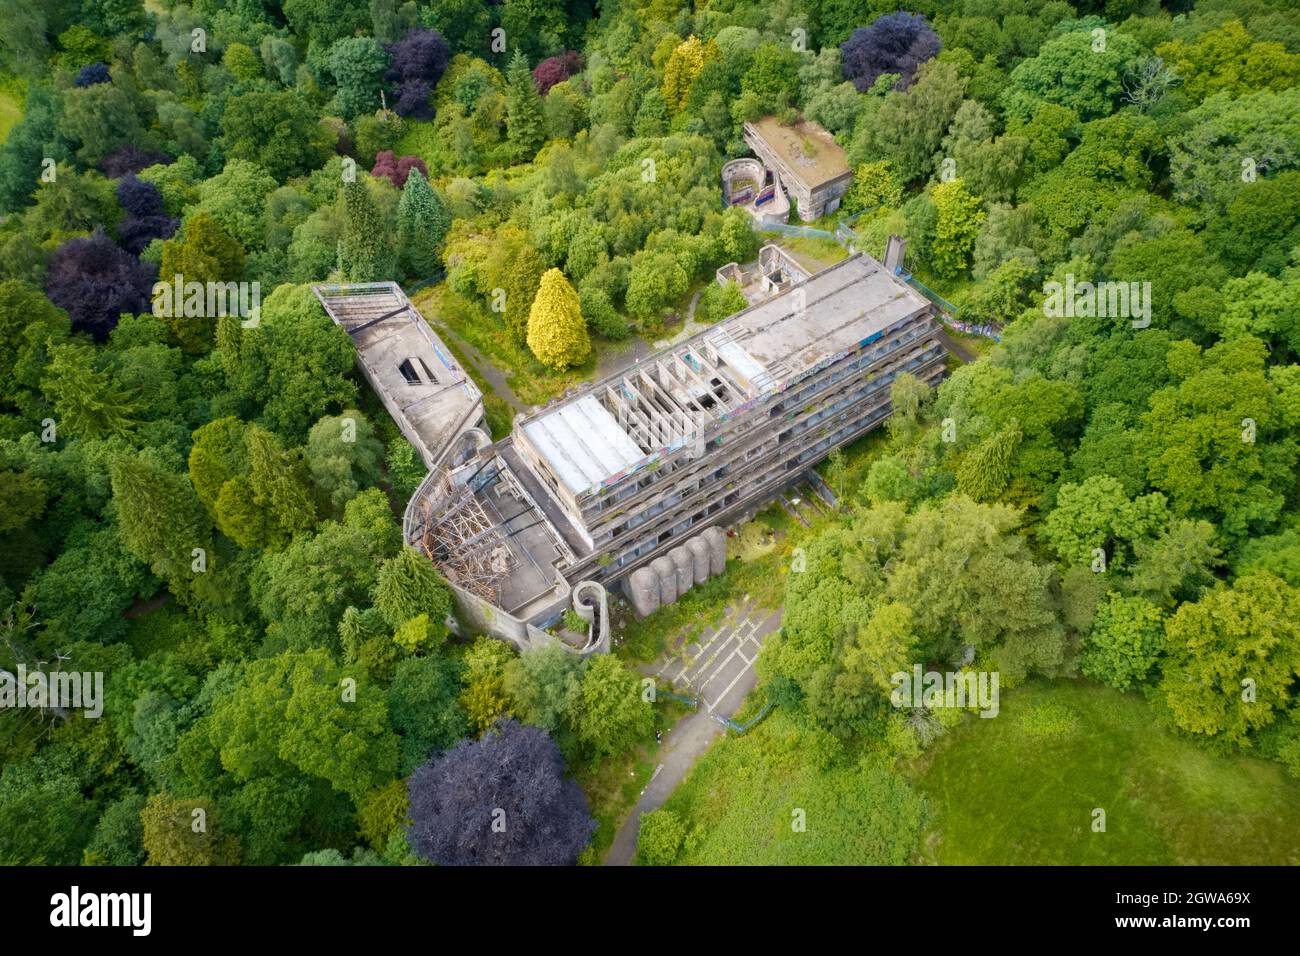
(279, 130)
(659, 838)
(484, 694)
(612, 717)
(557, 332)
(407, 585)
(204, 252)
(161, 520)
(1233, 657)
(304, 590)
(543, 687)
(185, 833)
(874, 185)
(358, 65)
(343, 456)
(1221, 441)
(422, 223)
(1128, 634)
(365, 254)
(958, 221)
(423, 706)
(1082, 69)
(525, 122)
(87, 401)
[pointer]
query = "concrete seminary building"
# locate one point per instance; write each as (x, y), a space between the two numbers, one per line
(633, 479)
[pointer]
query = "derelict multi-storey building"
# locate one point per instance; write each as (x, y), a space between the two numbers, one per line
(632, 478)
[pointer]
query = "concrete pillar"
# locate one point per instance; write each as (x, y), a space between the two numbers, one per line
(667, 574)
(716, 539)
(685, 565)
(642, 589)
(699, 549)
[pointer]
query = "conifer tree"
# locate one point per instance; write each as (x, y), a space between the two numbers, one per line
(87, 402)
(422, 224)
(159, 518)
(985, 471)
(525, 122)
(557, 332)
(364, 252)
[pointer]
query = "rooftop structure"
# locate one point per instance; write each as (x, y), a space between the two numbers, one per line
(413, 372)
(803, 160)
(632, 475)
(775, 272)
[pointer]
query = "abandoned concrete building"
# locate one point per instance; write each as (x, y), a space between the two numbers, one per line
(799, 165)
(774, 272)
(412, 371)
(632, 479)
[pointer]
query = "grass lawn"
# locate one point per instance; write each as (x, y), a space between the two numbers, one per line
(529, 379)
(1021, 789)
(744, 798)
(11, 108)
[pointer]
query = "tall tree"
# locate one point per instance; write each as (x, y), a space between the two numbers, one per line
(557, 332)
(422, 223)
(525, 122)
(1233, 657)
(365, 253)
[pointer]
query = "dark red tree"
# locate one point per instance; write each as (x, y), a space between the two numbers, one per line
(895, 43)
(145, 219)
(396, 170)
(91, 74)
(502, 800)
(556, 69)
(94, 280)
(418, 60)
(130, 159)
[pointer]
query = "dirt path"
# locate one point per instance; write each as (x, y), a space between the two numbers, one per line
(486, 370)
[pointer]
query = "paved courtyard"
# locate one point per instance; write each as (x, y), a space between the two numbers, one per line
(718, 666)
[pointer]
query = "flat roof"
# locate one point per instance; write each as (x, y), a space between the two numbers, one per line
(832, 311)
(825, 162)
(419, 381)
(583, 443)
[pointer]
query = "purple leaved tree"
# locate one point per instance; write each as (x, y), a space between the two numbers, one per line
(895, 43)
(556, 69)
(502, 800)
(418, 60)
(95, 280)
(130, 159)
(145, 219)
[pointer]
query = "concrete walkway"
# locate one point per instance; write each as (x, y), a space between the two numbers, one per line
(722, 683)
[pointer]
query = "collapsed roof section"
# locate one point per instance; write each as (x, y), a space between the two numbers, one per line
(668, 399)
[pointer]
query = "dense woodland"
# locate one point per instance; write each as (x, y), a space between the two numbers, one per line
(207, 510)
